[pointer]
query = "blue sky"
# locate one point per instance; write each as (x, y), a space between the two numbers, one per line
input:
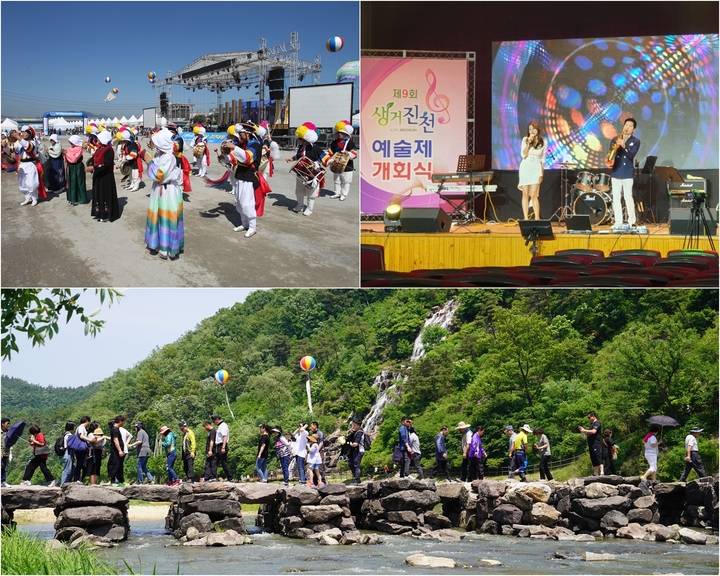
(134, 326)
(75, 45)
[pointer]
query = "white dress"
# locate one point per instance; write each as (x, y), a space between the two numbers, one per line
(531, 168)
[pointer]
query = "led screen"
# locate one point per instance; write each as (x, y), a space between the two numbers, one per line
(580, 91)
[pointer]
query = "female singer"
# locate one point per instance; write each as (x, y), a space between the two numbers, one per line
(532, 169)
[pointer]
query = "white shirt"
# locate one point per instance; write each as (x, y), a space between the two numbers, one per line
(222, 432)
(126, 436)
(649, 449)
(302, 437)
(691, 442)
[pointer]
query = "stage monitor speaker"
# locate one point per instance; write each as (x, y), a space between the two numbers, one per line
(276, 83)
(679, 219)
(425, 220)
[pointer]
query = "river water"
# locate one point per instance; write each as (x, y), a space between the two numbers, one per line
(147, 552)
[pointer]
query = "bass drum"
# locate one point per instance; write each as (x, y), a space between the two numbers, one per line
(597, 205)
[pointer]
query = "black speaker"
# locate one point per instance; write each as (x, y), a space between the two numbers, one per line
(163, 104)
(276, 83)
(679, 220)
(425, 220)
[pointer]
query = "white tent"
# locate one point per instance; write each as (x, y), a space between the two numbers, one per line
(133, 120)
(123, 120)
(61, 124)
(8, 124)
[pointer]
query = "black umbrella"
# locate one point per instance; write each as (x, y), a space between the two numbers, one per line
(13, 434)
(663, 421)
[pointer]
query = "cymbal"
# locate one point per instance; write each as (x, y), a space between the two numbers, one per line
(567, 164)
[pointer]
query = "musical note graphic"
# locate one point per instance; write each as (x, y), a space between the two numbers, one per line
(438, 103)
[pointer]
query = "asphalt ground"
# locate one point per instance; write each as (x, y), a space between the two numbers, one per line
(55, 244)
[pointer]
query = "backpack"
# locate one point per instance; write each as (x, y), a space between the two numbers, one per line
(366, 441)
(60, 446)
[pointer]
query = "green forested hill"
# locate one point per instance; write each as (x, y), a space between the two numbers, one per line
(537, 356)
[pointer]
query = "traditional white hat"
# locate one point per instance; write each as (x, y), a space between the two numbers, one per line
(163, 139)
(104, 137)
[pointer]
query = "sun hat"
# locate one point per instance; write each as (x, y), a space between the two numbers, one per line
(462, 425)
(696, 430)
(526, 428)
(164, 429)
(313, 438)
(99, 432)
(276, 430)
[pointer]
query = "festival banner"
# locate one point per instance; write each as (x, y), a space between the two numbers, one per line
(414, 124)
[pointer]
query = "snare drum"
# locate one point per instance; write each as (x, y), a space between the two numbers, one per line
(585, 181)
(306, 171)
(603, 182)
(597, 205)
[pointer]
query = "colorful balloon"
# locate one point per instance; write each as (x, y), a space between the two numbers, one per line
(108, 79)
(222, 376)
(335, 44)
(307, 363)
(151, 75)
(115, 90)
(151, 80)
(348, 72)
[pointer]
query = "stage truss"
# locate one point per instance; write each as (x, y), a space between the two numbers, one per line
(226, 70)
(471, 60)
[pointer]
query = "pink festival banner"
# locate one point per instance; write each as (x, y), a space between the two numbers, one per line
(414, 124)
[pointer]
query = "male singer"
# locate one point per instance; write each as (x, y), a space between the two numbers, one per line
(623, 171)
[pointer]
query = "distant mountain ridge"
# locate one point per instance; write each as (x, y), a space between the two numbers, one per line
(19, 395)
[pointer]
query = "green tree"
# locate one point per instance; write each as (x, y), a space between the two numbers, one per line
(657, 368)
(37, 313)
(521, 352)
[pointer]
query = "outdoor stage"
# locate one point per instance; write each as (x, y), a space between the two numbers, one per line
(503, 245)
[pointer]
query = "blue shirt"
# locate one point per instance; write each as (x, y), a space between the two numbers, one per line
(403, 437)
(623, 165)
(440, 446)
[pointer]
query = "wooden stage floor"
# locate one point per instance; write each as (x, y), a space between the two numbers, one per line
(502, 244)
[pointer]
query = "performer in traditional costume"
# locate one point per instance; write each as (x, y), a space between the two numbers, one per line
(105, 205)
(270, 150)
(243, 158)
(201, 152)
(223, 157)
(76, 190)
(307, 191)
(55, 166)
(129, 157)
(182, 162)
(25, 147)
(344, 151)
(164, 228)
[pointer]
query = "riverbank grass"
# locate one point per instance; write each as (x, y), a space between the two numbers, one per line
(24, 553)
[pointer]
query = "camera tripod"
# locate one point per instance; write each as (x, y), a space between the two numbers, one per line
(698, 224)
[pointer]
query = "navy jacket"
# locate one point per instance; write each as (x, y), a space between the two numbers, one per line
(623, 165)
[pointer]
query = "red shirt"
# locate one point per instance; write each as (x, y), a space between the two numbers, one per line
(39, 437)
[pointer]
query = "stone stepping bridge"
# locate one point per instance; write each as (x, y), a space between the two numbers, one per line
(210, 514)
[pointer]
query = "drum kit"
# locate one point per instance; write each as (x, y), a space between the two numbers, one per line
(588, 196)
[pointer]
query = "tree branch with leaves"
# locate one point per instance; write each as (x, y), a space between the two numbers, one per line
(37, 312)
